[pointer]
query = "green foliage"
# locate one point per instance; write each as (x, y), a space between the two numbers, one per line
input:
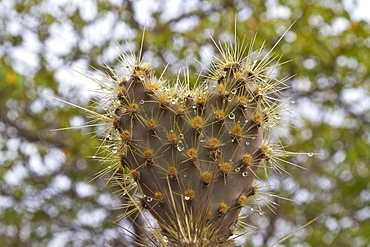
(44, 174)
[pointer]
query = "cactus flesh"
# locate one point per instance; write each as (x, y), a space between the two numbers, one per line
(190, 156)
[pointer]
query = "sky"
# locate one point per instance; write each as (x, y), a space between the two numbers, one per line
(359, 12)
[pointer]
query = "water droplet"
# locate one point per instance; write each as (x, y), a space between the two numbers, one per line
(142, 77)
(174, 99)
(109, 167)
(180, 146)
(252, 209)
(142, 102)
(244, 174)
(232, 116)
(181, 136)
(114, 150)
(149, 199)
(201, 137)
(94, 157)
(292, 101)
(194, 106)
(247, 143)
(310, 154)
(260, 93)
(246, 121)
(253, 138)
(237, 169)
(233, 91)
(277, 116)
(187, 198)
(261, 213)
(127, 78)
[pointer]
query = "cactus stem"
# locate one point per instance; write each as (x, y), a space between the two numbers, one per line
(190, 156)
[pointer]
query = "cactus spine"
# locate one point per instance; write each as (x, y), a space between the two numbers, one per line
(190, 156)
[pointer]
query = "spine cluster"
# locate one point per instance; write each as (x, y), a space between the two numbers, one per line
(190, 156)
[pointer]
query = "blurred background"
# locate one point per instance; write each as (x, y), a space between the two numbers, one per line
(46, 198)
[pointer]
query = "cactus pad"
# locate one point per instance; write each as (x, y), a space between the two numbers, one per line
(190, 156)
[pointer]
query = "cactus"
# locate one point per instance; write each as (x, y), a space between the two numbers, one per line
(190, 156)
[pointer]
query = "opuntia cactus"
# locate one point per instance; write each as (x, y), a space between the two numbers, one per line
(190, 156)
